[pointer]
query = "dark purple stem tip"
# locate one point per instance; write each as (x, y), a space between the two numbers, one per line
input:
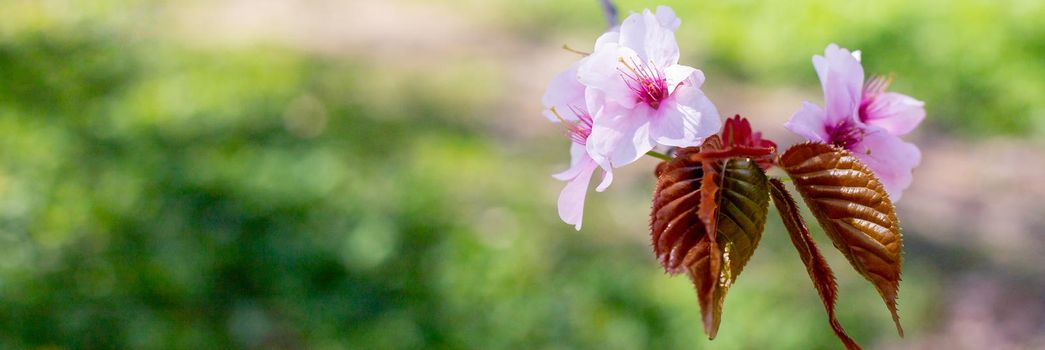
(610, 11)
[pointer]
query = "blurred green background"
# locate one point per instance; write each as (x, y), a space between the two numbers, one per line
(324, 174)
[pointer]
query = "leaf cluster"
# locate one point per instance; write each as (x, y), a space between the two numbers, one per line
(710, 207)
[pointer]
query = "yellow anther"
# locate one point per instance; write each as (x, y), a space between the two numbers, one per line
(633, 71)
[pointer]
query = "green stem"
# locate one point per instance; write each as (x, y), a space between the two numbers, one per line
(658, 155)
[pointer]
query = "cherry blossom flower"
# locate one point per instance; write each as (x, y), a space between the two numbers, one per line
(641, 95)
(578, 176)
(564, 102)
(862, 118)
(568, 101)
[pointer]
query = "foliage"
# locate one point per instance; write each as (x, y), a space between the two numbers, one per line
(853, 208)
(714, 243)
(709, 210)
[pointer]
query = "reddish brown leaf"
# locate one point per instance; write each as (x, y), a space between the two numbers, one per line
(683, 211)
(709, 195)
(706, 264)
(675, 228)
(855, 211)
(819, 272)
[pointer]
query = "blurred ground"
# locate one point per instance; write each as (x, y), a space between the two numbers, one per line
(373, 174)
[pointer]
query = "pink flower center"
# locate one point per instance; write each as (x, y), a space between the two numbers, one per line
(845, 134)
(578, 131)
(647, 83)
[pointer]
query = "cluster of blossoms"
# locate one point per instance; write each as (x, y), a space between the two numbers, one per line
(630, 94)
(627, 96)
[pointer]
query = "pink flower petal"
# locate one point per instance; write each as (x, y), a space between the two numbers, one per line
(571, 199)
(610, 37)
(653, 42)
(842, 79)
(607, 179)
(602, 71)
(809, 123)
(621, 138)
(676, 74)
(564, 93)
(896, 113)
(667, 18)
(578, 153)
(891, 159)
(567, 174)
(596, 102)
(687, 118)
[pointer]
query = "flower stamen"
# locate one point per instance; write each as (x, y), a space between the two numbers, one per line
(579, 52)
(578, 131)
(648, 84)
(875, 86)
